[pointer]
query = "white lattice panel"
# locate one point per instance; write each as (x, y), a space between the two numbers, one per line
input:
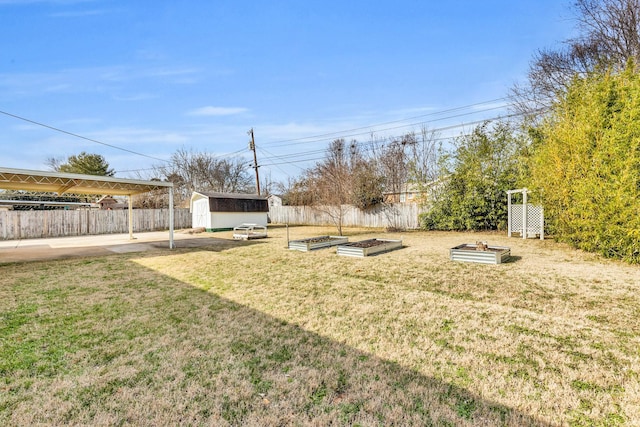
(516, 218)
(535, 219)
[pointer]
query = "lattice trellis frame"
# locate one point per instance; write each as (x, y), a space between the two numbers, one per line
(526, 219)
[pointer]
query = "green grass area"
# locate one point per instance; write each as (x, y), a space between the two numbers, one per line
(250, 333)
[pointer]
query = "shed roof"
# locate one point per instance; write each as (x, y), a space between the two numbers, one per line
(30, 180)
(244, 196)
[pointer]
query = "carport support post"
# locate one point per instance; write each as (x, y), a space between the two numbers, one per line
(171, 245)
(130, 217)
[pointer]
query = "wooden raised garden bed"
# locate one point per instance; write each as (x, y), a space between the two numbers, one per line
(470, 252)
(312, 243)
(368, 247)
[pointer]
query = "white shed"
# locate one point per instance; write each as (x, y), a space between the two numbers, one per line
(223, 211)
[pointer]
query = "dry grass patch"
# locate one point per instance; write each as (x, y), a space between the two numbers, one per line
(254, 334)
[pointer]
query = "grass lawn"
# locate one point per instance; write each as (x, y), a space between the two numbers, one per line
(250, 333)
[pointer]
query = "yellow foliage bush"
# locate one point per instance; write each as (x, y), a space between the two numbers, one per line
(586, 165)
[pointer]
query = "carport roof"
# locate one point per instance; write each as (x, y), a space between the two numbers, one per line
(30, 180)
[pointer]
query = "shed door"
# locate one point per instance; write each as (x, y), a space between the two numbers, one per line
(201, 213)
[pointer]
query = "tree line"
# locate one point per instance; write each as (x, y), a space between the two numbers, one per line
(575, 143)
(580, 158)
(365, 175)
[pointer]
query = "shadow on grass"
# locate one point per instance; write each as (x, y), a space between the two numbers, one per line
(138, 347)
(512, 259)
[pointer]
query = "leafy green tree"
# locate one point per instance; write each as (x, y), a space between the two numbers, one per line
(474, 179)
(83, 163)
(586, 165)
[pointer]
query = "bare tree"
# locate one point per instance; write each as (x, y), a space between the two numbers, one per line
(423, 157)
(609, 36)
(298, 191)
(54, 163)
(393, 163)
(346, 177)
(331, 179)
(611, 31)
(156, 199)
(267, 185)
(200, 171)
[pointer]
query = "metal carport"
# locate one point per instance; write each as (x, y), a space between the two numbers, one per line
(55, 182)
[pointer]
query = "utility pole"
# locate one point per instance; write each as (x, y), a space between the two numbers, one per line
(252, 147)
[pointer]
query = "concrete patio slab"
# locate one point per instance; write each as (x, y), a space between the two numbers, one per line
(69, 247)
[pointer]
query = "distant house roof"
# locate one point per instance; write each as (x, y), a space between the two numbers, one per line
(108, 202)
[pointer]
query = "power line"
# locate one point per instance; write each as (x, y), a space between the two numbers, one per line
(136, 170)
(219, 156)
(301, 157)
(369, 127)
(298, 154)
(81, 137)
(277, 166)
(399, 121)
(293, 162)
(394, 127)
(292, 156)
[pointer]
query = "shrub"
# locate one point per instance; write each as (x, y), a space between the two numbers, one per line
(586, 165)
(476, 176)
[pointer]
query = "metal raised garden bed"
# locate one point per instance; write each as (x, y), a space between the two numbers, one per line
(368, 247)
(469, 252)
(312, 243)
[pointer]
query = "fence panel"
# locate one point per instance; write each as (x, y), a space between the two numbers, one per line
(401, 216)
(16, 225)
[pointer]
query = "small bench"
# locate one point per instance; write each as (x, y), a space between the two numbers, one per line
(249, 231)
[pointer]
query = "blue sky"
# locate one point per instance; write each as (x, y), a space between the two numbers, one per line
(156, 76)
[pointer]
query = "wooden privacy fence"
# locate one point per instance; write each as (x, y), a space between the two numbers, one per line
(16, 225)
(401, 216)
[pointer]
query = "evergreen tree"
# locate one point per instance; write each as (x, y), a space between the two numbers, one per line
(83, 163)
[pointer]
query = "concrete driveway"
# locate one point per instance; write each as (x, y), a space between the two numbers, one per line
(69, 247)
